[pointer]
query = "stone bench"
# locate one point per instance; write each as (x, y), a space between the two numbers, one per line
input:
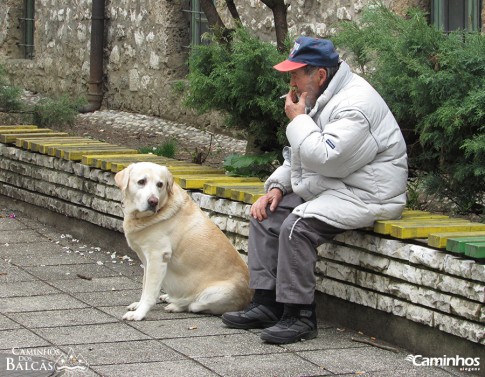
(396, 288)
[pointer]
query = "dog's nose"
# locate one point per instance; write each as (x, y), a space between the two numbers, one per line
(152, 201)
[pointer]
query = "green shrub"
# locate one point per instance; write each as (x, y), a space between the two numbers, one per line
(238, 79)
(9, 95)
(250, 166)
(166, 149)
(57, 112)
(435, 85)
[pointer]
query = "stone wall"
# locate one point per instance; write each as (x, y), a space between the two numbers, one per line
(407, 280)
(145, 48)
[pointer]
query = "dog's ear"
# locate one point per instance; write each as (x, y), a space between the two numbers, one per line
(169, 182)
(123, 177)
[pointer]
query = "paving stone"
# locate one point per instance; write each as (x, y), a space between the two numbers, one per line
(358, 360)
(11, 274)
(110, 298)
(7, 224)
(237, 342)
(52, 273)
(36, 303)
(281, 365)
(20, 236)
(102, 333)
(156, 313)
(7, 324)
(42, 254)
(26, 288)
(185, 368)
(21, 338)
(66, 317)
(114, 283)
(184, 328)
(139, 351)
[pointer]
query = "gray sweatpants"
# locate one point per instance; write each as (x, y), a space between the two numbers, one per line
(281, 252)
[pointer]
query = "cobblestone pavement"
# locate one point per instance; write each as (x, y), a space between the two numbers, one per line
(62, 299)
(124, 122)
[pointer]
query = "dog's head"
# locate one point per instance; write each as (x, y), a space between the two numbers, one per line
(146, 188)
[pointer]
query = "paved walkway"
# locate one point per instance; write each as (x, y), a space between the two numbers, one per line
(62, 299)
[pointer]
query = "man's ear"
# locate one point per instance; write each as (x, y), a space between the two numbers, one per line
(322, 75)
(122, 178)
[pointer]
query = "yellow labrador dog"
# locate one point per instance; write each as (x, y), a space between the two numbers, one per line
(181, 249)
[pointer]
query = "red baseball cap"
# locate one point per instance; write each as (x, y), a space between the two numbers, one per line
(310, 51)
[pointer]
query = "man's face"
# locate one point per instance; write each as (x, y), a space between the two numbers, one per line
(308, 82)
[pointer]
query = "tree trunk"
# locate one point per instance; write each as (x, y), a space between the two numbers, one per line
(233, 10)
(279, 10)
(212, 15)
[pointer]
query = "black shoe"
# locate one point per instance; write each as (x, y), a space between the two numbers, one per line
(298, 323)
(255, 316)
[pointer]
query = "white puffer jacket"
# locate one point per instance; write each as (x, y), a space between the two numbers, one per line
(347, 158)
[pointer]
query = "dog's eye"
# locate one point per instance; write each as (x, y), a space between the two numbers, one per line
(160, 184)
(142, 182)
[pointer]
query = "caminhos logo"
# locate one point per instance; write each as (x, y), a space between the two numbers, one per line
(468, 364)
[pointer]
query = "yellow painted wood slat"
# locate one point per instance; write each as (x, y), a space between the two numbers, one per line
(95, 160)
(199, 169)
(59, 151)
(25, 130)
(250, 198)
(421, 231)
(225, 191)
(118, 166)
(10, 138)
(238, 194)
(439, 239)
(211, 189)
(43, 146)
(25, 142)
(75, 154)
(18, 127)
(414, 213)
(198, 181)
(384, 226)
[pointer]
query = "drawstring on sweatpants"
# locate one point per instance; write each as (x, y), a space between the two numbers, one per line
(293, 227)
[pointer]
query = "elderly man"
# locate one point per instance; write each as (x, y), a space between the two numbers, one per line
(345, 168)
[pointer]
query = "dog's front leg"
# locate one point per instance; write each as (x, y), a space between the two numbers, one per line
(155, 271)
(143, 260)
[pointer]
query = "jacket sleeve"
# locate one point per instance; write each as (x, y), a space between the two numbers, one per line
(281, 177)
(345, 145)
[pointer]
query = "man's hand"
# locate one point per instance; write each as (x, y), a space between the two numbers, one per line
(295, 106)
(272, 197)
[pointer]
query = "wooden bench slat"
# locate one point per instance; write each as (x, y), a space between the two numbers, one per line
(26, 142)
(211, 188)
(475, 250)
(239, 194)
(457, 245)
(439, 240)
(385, 226)
(421, 231)
(18, 126)
(10, 138)
(43, 147)
(198, 181)
(118, 166)
(250, 198)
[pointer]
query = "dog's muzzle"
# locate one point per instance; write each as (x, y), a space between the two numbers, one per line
(152, 203)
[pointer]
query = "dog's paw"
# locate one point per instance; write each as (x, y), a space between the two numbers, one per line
(164, 298)
(134, 316)
(133, 306)
(172, 308)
